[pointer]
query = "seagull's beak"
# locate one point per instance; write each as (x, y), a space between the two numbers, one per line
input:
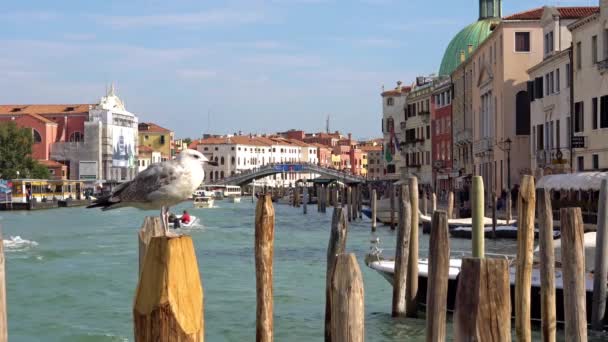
(212, 163)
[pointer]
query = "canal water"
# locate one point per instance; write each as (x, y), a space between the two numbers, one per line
(72, 272)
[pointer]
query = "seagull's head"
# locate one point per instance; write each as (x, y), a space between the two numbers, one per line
(192, 156)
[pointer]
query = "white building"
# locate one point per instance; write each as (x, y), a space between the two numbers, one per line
(393, 119)
(549, 89)
(237, 154)
(590, 82)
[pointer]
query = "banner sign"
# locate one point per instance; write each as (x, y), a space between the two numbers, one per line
(288, 168)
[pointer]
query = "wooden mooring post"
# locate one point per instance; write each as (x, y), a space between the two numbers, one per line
(424, 203)
(168, 302)
(349, 203)
(526, 204)
(600, 274)
(493, 215)
(402, 253)
(151, 228)
(411, 290)
(450, 205)
(347, 301)
(374, 203)
(264, 251)
(3, 320)
(547, 265)
(509, 208)
(360, 201)
(439, 265)
(391, 189)
(305, 197)
(337, 245)
(433, 203)
(483, 307)
(477, 216)
(573, 250)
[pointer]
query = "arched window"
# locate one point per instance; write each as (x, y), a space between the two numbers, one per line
(390, 125)
(217, 175)
(36, 135)
(232, 160)
(76, 137)
(211, 175)
(239, 160)
(222, 161)
(222, 174)
(216, 159)
(522, 113)
(390, 101)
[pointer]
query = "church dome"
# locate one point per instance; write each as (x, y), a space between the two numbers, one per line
(464, 44)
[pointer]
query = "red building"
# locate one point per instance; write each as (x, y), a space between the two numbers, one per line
(324, 155)
(49, 124)
(441, 135)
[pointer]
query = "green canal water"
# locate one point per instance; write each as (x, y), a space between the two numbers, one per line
(71, 274)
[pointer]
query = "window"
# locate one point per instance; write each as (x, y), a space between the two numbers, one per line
(390, 101)
(579, 53)
(162, 139)
(557, 76)
(579, 117)
(557, 135)
(540, 138)
(522, 41)
(145, 137)
(538, 88)
(36, 136)
(604, 112)
(594, 112)
(580, 161)
(522, 113)
(596, 161)
(76, 137)
(594, 50)
(549, 43)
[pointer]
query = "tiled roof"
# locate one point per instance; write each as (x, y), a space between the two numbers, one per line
(151, 127)
(63, 109)
(396, 92)
(49, 163)
(564, 12)
(371, 148)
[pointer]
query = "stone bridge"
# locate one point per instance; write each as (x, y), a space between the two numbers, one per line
(268, 170)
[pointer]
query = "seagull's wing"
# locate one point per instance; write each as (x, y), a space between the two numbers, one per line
(147, 185)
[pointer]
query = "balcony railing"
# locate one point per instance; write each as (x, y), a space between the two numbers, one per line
(463, 136)
(603, 65)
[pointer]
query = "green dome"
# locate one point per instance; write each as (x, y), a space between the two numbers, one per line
(473, 35)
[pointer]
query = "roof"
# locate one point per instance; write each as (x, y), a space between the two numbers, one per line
(321, 146)
(150, 127)
(397, 91)
(564, 13)
(368, 148)
(42, 109)
(145, 149)
(472, 35)
(49, 163)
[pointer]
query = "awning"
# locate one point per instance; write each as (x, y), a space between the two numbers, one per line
(572, 181)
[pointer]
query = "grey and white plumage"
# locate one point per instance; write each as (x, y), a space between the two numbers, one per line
(159, 186)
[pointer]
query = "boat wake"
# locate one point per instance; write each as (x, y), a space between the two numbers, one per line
(17, 244)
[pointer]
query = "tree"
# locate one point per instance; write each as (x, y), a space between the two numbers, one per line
(187, 141)
(15, 153)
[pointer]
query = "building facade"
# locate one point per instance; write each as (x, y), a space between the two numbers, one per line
(462, 124)
(375, 165)
(158, 138)
(393, 118)
(590, 83)
(441, 135)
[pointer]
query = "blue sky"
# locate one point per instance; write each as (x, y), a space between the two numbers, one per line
(223, 66)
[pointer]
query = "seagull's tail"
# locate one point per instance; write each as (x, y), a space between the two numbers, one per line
(105, 203)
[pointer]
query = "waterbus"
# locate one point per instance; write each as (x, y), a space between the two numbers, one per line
(46, 190)
(221, 191)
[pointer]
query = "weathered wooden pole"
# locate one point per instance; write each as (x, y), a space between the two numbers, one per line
(391, 190)
(318, 192)
(360, 201)
(477, 216)
(344, 196)
(3, 320)
(151, 228)
(509, 208)
(347, 301)
(324, 205)
(547, 265)
(451, 205)
(439, 265)
(411, 290)
(433, 202)
(402, 253)
(493, 215)
(525, 248)
(349, 205)
(374, 204)
(337, 200)
(483, 307)
(305, 201)
(354, 206)
(337, 245)
(264, 251)
(573, 250)
(424, 203)
(600, 292)
(168, 302)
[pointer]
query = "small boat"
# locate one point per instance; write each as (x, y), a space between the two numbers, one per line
(234, 199)
(203, 202)
(193, 221)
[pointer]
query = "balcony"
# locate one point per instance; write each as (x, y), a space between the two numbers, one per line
(602, 66)
(556, 156)
(482, 146)
(464, 136)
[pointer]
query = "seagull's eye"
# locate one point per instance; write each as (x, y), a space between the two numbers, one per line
(196, 156)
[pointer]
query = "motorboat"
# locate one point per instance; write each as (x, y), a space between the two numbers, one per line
(193, 221)
(203, 202)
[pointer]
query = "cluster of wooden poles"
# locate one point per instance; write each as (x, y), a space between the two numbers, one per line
(349, 196)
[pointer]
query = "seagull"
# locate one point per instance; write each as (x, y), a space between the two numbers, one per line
(160, 186)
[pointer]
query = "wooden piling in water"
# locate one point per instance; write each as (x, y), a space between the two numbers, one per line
(264, 251)
(433, 203)
(349, 203)
(374, 204)
(391, 189)
(337, 245)
(600, 292)
(424, 203)
(439, 265)
(411, 290)
(575, 312)
(483, 306)
(509, 208)
(344, 196)
(318, 193)
(347, 301)
(547, 265)
(3, 320)
(493, 215)
(336, 192)
(477, 216)
(402, 253)
(168, 302)
(150, 228)
(360, 201)
(450, 205)
(354, 203)
(526, 203)
(305, 201)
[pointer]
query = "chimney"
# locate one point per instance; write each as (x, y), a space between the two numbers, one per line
(399, 85)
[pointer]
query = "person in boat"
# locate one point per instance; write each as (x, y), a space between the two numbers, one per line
(185, 217)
